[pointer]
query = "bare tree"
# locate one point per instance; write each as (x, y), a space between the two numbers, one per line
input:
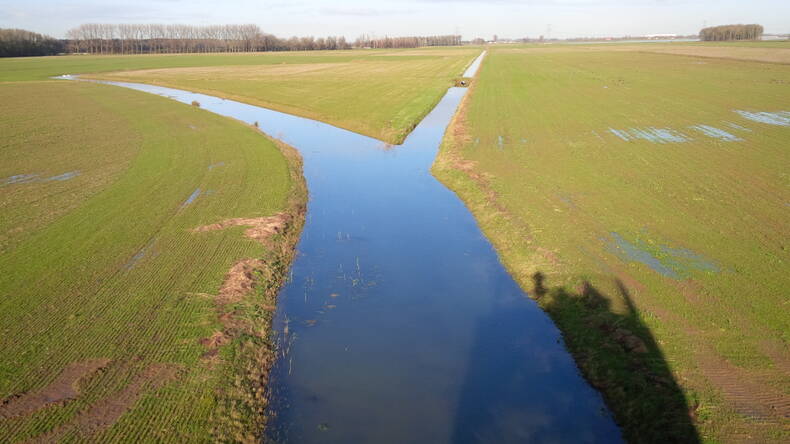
(732, 32)
(176, 38)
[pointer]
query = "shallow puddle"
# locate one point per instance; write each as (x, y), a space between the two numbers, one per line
(716, 133)
(62, 177)
(29, 178)
(19, 178)
(738, 127)
(654, 135)
(195, 194)
(779, 118)
(398, 323)
(631, 252)
(671, 262)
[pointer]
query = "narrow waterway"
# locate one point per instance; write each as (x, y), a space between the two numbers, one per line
(398, 323)
(475, 65)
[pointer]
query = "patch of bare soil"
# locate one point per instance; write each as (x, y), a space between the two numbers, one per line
(103, 414)
(239, 281)
(64, 388)
(242, 277)
(213, 343)
(261, 228)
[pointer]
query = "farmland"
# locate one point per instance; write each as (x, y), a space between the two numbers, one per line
(119, 315)
(379, 93)
(643, 194)
(382, 94)
(638, 192)
(133, 227)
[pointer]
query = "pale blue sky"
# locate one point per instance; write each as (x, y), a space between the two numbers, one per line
(471, 18)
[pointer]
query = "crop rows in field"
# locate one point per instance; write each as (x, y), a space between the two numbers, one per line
(103, 266)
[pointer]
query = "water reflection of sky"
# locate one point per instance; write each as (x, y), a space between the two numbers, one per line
(403, 326)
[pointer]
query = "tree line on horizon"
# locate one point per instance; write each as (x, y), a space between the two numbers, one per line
(731, 32)
(366, 41)
(97, 38)
(102, 38)
(21, 43)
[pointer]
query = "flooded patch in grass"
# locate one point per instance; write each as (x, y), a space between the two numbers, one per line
(62, 177)
(143, 252)
(654, 135)
(19, 178)
(716, 133)
(29, 178)
(779, 118)
(738, 127)
(627, 250)
(195, 194)
(500, 143)
(216, 165)
(135, 259)
(129, 265)
(683, 257)
(665, 260)
(621, 134)
(567, 200)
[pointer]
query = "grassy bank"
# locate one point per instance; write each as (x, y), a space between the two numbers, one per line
(379, 93)
(640, 198)
(120, 316)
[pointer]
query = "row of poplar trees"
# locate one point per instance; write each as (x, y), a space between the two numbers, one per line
(366, 41)
(98, 38)
(101, 38)
(731, 32)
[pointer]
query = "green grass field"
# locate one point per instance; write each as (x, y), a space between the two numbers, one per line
(379, 93)
(631, 176)
(382, 94)
(42, 68)
(109, 312)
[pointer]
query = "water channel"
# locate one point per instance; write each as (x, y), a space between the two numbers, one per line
(398, 323)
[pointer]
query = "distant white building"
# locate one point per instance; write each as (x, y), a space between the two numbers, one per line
(661, 36)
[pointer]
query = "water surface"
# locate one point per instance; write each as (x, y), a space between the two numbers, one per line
(398, 323)
(472, 70)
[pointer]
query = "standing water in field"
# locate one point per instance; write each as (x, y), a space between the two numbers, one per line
(399, 324)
